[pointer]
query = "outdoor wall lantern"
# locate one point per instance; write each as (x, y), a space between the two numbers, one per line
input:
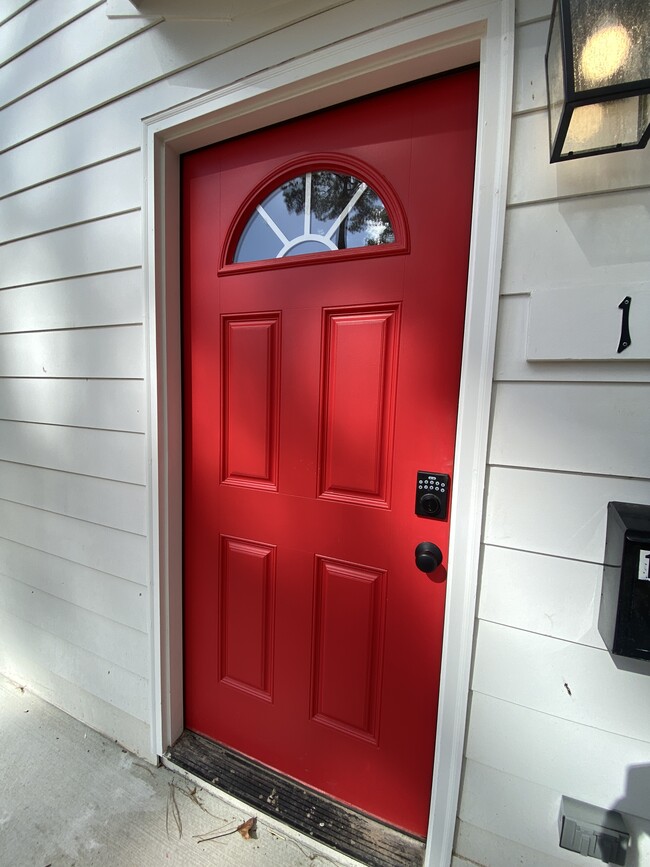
(598, 77)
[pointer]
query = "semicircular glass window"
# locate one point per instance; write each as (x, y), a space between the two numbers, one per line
(314, 213)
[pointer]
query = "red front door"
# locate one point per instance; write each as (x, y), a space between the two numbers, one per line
(316, 386)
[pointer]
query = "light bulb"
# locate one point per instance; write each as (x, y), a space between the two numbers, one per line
(605, 52)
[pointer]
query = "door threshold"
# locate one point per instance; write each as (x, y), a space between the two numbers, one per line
(336, 825)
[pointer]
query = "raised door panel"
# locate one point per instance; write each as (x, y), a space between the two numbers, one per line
(358, 405)
(250, 409)
(348, 633)
(246, 615)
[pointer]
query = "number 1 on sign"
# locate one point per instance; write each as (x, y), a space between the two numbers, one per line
(644, 565)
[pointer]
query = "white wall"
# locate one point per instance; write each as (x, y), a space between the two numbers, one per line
(75, 593)
(550, 712)
(74, 621)
(74, 585)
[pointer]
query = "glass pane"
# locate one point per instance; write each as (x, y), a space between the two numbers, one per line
(342, 212)
(369, 223)
(606, 125)
(258, 241)
(330, 194)
(555, 72)
(277, 206)
(610, 42)
(307, 246)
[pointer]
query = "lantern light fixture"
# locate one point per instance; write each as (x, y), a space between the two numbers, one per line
(598, 77)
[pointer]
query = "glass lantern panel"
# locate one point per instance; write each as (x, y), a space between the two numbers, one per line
(606, 125)
(315, 212)
(611, 42)
(555, 74)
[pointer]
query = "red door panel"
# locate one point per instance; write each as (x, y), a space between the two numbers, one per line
(315, 389)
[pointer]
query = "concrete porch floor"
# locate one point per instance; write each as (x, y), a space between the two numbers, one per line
(70, 797)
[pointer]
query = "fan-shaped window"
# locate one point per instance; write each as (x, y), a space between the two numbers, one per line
(313, 213)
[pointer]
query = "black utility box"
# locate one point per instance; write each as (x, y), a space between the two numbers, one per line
(624, 620)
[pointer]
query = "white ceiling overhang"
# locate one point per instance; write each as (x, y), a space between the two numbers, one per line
(197, 10)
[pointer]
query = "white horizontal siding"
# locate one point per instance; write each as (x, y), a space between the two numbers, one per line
(84, 38)
(85, 630)
(103, 134)
(66, 693)
(506, 737)
(533, 178)
(160, 52)
(481, 846)
(552, 713)
(571, 681)
(595, 428)
(513, 808)
(530, 78)
(108, 404)
(106, 454)
(36, 20)
(103, 190)
(99, 501)
(79, 91)
(595, 239)
(9, 8)
(101, 548)
(527, 813)
(122, 601)
(88, 140)
(101, 299)
(554, 513)
(111, 244)
(538, 593)
(92, 673)
(532, 10)
(114, 352)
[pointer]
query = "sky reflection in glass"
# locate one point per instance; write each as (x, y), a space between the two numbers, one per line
(315, 212)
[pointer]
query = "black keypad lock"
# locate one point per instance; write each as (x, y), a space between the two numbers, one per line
(432, 495)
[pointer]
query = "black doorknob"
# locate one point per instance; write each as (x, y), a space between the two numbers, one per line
(427, 556)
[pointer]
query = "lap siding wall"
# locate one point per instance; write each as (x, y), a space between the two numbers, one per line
(550, 712)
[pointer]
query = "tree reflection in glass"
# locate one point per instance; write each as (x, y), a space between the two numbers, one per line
(312, 213)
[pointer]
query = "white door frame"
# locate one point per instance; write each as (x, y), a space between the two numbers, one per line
(439, 39)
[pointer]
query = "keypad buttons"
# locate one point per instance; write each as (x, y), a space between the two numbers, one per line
(432, 495)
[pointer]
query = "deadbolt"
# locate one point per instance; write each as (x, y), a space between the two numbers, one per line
(432, 495)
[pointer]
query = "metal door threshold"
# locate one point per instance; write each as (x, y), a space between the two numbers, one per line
(342, 828)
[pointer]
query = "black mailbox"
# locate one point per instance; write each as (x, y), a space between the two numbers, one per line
(624, 620)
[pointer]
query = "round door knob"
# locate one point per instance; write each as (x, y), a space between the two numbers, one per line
(427, 556)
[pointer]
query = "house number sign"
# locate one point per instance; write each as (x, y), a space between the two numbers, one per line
(589, 323)
(625, 340)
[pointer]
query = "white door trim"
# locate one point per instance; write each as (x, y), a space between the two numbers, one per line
(442, 38)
